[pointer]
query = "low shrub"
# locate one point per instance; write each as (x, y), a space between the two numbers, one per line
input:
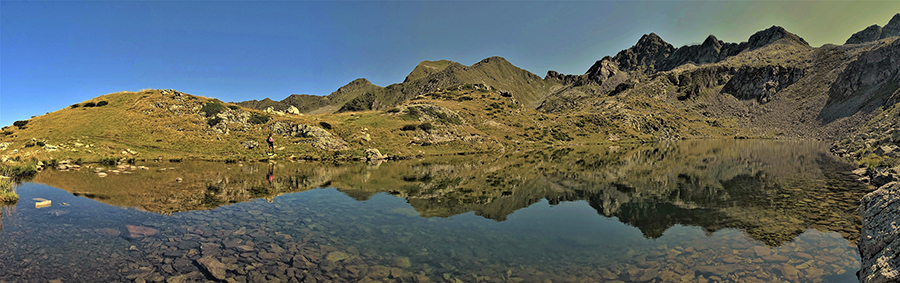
(19, 171)
(212, 108)
(259, 119)
(214, 121)
(410, 127)
(7, 195)
(108, 161)
(102, 103)
(20, 124)
(325, 125)
(75, 105)
(426, 126)
(90, 104)
(413, 114)
(233, 107)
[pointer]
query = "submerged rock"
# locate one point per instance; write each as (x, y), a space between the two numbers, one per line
(213, 266)
(140, 231)
(109, 232)
(879, 243)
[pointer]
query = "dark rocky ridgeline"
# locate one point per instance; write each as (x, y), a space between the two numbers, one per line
(876, 32)
(653, 54)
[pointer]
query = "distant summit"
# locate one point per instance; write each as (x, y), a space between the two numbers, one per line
(426, 68)
(876, 32)
(774, 34)
(649, 50)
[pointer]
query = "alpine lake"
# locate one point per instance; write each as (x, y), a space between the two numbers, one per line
(686, 211)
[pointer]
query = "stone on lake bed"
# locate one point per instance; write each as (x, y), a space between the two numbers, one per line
(790, 272)
(109, 232)
(213, 266)
(762, 251)
(402, 262)
(336, 256)
(101, 174)
(140, 231)
(775, 257)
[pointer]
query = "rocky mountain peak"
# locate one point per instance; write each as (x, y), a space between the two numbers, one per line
(426, 68)
(773, 34)
(650, 39)
(870, 33)
(359, 81)
(648, 50)
(876, 32)
(711, 42)
(355, 84)
(493, 60)
(892, 28)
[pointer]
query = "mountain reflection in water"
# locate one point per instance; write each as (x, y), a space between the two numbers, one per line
(769, 211)
(772, 190)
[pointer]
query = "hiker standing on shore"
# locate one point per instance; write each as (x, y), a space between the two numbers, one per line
(271, 142)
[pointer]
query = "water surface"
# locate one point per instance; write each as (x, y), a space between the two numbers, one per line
(696, 211)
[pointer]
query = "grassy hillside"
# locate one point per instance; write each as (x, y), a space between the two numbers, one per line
(172, 125)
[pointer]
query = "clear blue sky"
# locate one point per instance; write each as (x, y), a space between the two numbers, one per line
(54, 54)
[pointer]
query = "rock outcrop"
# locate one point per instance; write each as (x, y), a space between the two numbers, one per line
(877, 66)
(602, 71)
(319, 137)
(879, 243)
(293, 110)
(761, 83)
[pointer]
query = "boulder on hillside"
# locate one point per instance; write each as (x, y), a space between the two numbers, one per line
(293, 110)
(373, 154)
(250, 144)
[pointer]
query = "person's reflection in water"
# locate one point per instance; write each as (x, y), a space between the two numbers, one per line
(271, 175)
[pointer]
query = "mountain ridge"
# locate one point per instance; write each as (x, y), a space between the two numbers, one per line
(774, 85)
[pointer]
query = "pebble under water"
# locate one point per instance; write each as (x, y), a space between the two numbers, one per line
(730, 212)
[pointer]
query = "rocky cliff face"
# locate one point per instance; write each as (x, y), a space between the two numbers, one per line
(871, 71)
(761, 83)
(879, 241)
